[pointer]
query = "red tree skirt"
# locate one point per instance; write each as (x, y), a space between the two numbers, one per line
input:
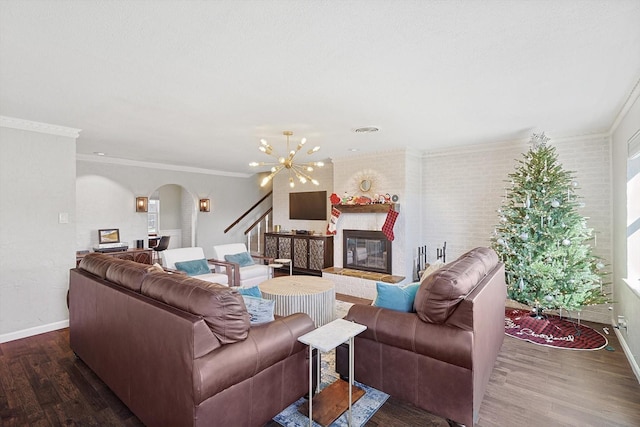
(552, 331)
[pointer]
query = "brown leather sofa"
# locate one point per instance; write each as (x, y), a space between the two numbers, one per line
(179, 351)
(440, 357)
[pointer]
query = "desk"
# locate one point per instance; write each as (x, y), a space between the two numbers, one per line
(143, 256)
(302, 294)
(331, 399)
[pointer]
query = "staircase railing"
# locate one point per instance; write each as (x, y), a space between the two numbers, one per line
(261, 225)
(254, 239)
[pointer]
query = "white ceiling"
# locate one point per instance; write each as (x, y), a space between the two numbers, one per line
(198, 83)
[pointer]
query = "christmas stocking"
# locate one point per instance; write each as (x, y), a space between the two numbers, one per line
(387, 228)
(331, 227)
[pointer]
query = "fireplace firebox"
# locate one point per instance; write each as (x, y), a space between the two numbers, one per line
(366, 250)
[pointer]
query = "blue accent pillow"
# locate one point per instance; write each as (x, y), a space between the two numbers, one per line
(260, 310)
(253, 291)
(242, 258)
(194, 267)
(394, 297)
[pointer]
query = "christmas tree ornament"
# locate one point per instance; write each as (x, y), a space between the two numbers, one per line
(575, 184)
(524, 236)
(566, 242)
(500, 241)
(548, 298)
(599, 266)
(555, 203)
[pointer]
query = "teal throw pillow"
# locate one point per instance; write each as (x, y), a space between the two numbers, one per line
(243, 258)
(253, 291)
(194, 267)
(260, 310)
(394, 297)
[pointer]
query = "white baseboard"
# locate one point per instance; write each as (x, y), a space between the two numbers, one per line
(627, 351)
(25, 333)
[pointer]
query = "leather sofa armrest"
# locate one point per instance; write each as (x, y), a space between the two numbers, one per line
(232, 270)
(267, 344)
(407, 331)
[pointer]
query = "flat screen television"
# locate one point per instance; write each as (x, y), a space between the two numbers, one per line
(310, 205)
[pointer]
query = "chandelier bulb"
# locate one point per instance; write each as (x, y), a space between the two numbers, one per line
(319, 164)
(281, 160)
(254, 164)
(291, 183)
(309, 169)
(315, 182)
(302, 179)
(273, 169)
(263, 149)
(313, 150)
(303, 141)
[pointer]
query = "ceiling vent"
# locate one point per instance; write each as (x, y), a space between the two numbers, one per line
(367, 129)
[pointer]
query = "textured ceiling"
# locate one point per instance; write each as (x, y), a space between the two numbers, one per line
(198, 83)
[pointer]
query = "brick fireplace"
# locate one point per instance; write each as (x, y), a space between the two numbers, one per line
(366, 250)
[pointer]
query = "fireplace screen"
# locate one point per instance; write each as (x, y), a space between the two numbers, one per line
(366, 250)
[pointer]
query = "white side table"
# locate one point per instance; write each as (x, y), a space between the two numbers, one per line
(271, 267)
(326, 338)
(285, 261)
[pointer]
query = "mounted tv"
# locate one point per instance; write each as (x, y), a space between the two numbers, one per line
(309, 205)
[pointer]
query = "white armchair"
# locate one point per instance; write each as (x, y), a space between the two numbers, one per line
(171, 256)
(247, 276)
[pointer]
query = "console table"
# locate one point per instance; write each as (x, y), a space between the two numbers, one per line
(143, 256)
(309, 253)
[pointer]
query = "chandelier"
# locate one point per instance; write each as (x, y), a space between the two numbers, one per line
(298, 170)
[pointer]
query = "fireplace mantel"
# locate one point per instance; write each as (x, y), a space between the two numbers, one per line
(371, 208)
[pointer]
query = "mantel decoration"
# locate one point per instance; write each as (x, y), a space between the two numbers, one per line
(298, 170)
(347, 201)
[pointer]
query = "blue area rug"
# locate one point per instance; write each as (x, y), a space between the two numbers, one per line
(362, 410)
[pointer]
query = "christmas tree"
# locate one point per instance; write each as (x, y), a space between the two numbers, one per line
(542, 239)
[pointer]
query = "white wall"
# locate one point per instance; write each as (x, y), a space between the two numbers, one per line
(627, 300)
(106, 194)
(463, 188)
(37, 183)
(281, 192)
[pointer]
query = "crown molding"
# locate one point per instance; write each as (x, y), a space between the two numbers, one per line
(11, 122)
(510, 144)
(163, 166)
(631, 99)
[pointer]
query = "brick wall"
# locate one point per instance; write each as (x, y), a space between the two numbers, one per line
(463, 188)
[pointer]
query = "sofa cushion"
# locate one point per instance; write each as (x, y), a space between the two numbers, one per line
(221, 307)
(97, 263)
(253, 291)
(242, 258)
(394, 297)
(193, 267)
(128, 274)
(442, 291)
(260, 310)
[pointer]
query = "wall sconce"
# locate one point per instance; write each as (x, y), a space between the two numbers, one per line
(205, 205)
(142, 204)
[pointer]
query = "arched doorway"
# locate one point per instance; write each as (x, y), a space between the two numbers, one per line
(172, 212)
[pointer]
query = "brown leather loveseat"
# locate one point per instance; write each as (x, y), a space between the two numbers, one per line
(181, 352)
(439, 357)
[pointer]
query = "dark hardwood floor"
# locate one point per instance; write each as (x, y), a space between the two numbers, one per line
(43, 384)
